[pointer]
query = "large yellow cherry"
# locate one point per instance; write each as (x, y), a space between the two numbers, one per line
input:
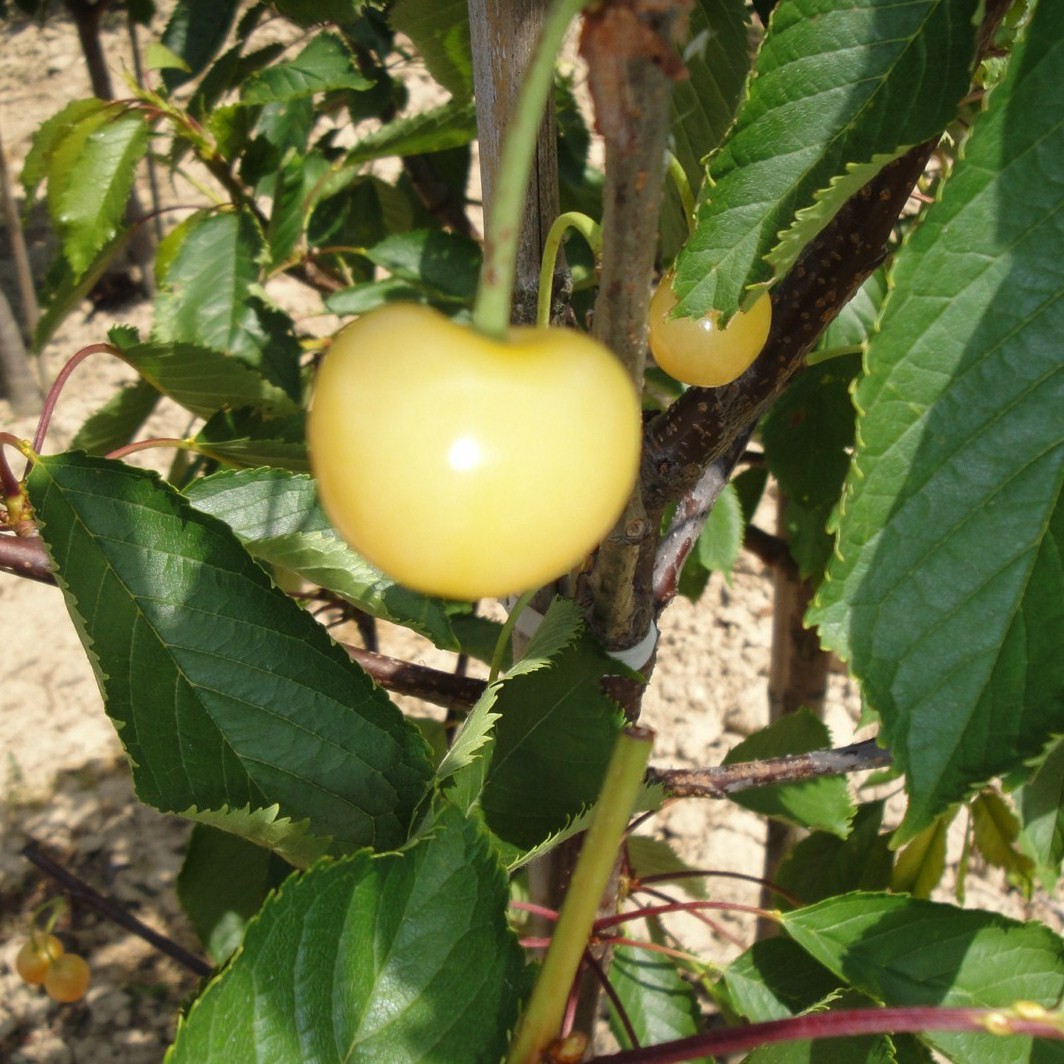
(696, 350)
(466, 467)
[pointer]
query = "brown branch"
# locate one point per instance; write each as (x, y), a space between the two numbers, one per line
(112, 910)
(431, 685)
(724, 780)
(25, 556)
(772, 550)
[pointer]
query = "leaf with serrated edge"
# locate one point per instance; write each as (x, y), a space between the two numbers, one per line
(224, 692)
(839, 88)
(279, 519)
(402, 957)
(203, 380)
(324, 65)
(947, 589)
(906, 951)
(559, 628)
(264, 827)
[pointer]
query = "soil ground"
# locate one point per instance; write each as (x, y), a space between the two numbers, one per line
(65, 785)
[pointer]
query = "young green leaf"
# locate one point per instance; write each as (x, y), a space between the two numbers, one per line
(838, 89)
(225, 693)
(947, 591)
(402, 957)
(905, 951)
(922, 862)
(324, 65)
(278, 518)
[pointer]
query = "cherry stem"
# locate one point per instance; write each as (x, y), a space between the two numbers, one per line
(678, 176)
(589, 229)
(491, 309)
(606, 922)
(146, 445)
(546, 1008)
(60, 381)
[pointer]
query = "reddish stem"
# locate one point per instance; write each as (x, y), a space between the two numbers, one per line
(607, 922)
(849, 1023)
(60, 381)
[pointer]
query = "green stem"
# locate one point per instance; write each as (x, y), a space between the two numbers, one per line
(491, 310)
(678, 176)
(589, 229)
(541, 1022)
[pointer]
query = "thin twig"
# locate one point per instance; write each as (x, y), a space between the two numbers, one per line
(25, 556)
(431, 685)
(112, 910)
(721, 781)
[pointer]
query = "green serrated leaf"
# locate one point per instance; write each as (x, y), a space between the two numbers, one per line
(196, 32)
(277, 516)
(470, 742)
(823, 865)
(118, 420)
(265, 827)
(947, 591)
(222, 883)
(721, 540)
(90, 175)
(821, 804)
(552, 744)
(1041, 806)
(361, 298)
(402, 957)
(440, 32)
(249, 438)
(661, 1006)
(775, 979)
(716, 57)
(52, 133)
(808, 438)
(224, 692)
(443, 261)
(200, 379)
(324, 65)
(557, 631)
(906, 951)
(838, 88)
(451, 125)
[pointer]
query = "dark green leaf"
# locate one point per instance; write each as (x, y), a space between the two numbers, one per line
(443, 261)
(905, 951)
(198, 378)
(360, 298)
(808, 437)
(324, 65)
(279, 519)
(248, 438)
(716, 57)
(822, 804)
(660, 1005)
(775, 979)
(311, 12)
(552, 744)
(1041, 804)
(856, 321)
(223, 882)
(823, 865)
(440, 32)
(230, 71)
(448, 126)
(118, 420)
(397, 958)
(225, 693)
(839, 88)
(196, 32)
(947, 591)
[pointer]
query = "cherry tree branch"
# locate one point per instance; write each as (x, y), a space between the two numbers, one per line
(722, 781)
(446, 689)
(25, 556)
